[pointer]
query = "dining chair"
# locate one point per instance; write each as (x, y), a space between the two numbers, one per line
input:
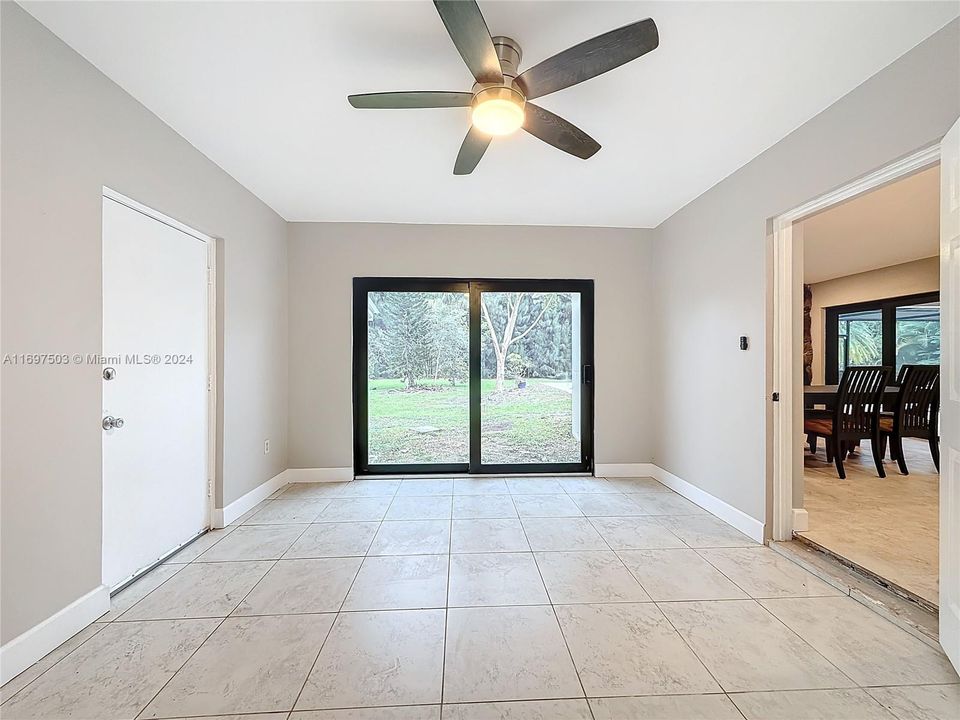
(915, 413)
(855, 416)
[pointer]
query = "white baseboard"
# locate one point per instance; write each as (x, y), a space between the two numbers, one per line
(801, 520)
(25, 649)
(749, 526)
(226, 515)
(333, 474)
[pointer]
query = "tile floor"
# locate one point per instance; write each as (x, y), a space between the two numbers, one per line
(890, 526)
(516, 599)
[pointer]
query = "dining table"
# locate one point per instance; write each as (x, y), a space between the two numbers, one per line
(827, 395)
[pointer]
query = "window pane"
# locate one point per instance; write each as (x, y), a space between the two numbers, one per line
(918, 335)
(418, 390)
(864, 338)
(530, 378)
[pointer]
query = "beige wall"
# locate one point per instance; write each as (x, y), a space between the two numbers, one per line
(325, 257)
(710, 268)
(67, 131)
(909, 278)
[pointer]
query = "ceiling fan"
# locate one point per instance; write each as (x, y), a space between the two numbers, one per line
(500, 98)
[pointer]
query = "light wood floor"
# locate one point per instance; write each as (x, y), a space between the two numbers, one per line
(886, 525)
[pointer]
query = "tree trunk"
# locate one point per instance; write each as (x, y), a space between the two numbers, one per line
(501, 371)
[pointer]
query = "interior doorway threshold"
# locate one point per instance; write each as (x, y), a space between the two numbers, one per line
(903, 609)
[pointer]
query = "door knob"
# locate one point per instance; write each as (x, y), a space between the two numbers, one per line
(109, 373)
(112, 423)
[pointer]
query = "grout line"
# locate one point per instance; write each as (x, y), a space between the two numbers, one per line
(556, 617)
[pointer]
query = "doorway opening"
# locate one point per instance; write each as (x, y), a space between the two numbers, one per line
(856, 334)
(472, 376)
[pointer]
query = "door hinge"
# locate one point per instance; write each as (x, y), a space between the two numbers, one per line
(776, 397)
(209, 383)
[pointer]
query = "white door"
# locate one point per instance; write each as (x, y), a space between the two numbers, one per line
(155, 339)
(950, 395)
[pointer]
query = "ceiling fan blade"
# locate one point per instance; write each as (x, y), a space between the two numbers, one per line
(556, 131)
(473, 147)
(399, 100)
(590, 58)
(468, 30)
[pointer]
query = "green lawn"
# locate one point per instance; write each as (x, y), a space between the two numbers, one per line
(429, 424)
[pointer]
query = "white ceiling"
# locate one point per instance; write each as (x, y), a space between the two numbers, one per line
(892, 225)
(260, 88)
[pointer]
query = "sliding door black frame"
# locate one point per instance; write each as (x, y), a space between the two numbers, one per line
(888, 320)
(363, 286)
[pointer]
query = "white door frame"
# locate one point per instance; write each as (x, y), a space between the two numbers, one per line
(211, 243)
(786, 369)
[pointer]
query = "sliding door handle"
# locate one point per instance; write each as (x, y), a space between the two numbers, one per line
(586, 375)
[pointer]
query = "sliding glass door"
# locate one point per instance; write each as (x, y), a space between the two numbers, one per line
(894, 331)
(472, 376)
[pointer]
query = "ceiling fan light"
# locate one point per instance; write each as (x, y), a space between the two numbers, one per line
(497, 111)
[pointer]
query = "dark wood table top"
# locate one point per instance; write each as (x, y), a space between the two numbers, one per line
(827, 393)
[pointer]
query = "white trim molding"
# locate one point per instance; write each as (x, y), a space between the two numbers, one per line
(334, 474)
(25, 649)
(226, 515)
(749, 526)
(786, 251)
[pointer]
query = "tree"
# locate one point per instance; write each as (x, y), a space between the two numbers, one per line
(399, 323)
(501, 342)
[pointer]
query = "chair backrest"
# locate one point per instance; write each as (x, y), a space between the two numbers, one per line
(858, 399)
(918, 402)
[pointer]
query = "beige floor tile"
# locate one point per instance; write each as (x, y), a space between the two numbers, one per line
(16, 684)
(668, 504)
(533, 486)
(334, 540)
(679, 574)
(595, 576)
(500, 535)
(762, 573)
(852, 703)
(420, 508)
(250, 513)
(520, 710)
(351, 509)
(399, 582)
(704, 531)
(301, 586)
(370, 488)
(630, 649)
(243, 716)
(112, 675)
(546, 506)
(200, 590)
(865, 646)
(425, 488)
(920, 702)
(495, 579)
(412, 537)
(571, 534)
(394, 657)
(747, 649)
(666, 707)
(254, 542)
(889, 525)
(479, 486)
(203, 543)
(635, 533)
(638, 485)
(255, 664)
(512, 653)
(135, 592)
(314, 491)
(586, 485)
(607, 505)
(483, 506)
(407, 712)
(280, 512)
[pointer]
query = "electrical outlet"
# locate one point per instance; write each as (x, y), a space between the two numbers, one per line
(266, 447)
